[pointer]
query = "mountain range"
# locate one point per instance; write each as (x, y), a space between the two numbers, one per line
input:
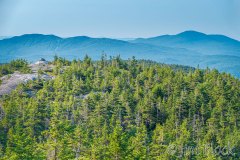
(187, 48)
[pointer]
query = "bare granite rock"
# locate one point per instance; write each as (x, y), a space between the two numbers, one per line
(41, 65)
(10, 82)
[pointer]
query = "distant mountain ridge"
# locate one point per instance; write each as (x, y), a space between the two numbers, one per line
(187, 48)
(206, 44)
(4, 37)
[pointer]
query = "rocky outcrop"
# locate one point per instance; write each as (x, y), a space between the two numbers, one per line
(42, 64)
(10, 82)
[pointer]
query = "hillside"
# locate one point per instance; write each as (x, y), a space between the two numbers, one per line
(116, 109)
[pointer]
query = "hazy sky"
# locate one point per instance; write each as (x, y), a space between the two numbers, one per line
(119, 18)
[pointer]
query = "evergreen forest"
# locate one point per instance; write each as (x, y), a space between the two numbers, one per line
(114, 109)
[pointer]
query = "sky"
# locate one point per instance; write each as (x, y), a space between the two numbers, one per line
(119, 18)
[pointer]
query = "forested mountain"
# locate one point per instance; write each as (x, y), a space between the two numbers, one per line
(115, 109)
(197, 41)
(187, 48)
(34, 46)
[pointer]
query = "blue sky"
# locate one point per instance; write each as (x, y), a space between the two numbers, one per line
(119, 18)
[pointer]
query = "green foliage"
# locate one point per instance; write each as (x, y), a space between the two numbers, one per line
(20, 65)
(118, 109)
